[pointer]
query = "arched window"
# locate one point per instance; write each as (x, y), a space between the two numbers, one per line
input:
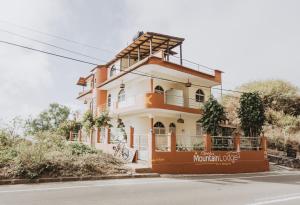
(113, 71)
(172, 128)
(159, 128)
(158, 89)
(121, 96)
(199, 96)
(109, 100)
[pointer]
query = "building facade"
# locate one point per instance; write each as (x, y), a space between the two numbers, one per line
(152, 95)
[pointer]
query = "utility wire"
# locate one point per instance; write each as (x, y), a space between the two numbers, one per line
(94, 64)
(83, 44)
(52, 45)
(56, 36)
(49, 53)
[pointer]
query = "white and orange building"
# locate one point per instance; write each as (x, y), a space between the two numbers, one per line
(159, 97)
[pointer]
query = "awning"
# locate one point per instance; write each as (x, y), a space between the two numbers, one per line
(149, 40)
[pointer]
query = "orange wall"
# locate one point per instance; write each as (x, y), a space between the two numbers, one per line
(174, 162)
(101, 76)
(155, 100)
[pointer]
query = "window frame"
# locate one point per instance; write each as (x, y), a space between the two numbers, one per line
(159, 128)
(200, 96)
(160, 90)
(121, 96)
(113, 71)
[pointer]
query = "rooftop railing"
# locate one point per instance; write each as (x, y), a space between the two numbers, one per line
(192, 65)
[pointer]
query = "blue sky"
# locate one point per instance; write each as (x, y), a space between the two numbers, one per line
(248, 40)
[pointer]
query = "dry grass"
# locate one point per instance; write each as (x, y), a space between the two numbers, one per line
(52, 156)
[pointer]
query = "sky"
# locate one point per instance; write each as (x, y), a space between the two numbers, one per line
(247, 40)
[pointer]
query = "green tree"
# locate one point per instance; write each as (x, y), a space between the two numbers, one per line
(67, 126)
(103, 120)
(48, 120)
(212, 116)
(251, 114)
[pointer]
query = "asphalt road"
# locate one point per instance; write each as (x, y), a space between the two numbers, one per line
(279, 187)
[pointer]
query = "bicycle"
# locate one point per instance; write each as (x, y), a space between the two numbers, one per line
(121, 151)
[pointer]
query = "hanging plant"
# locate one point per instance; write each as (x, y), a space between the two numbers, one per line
(88, 121)
(103, 120)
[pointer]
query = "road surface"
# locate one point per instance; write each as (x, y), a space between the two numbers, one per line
(277, 187)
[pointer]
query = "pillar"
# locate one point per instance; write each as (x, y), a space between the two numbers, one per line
(71, 136)
(237, 142)
(151, 143)
(98, 135)
(79, 136)
(108, 136)
(180, 47)
(131, 137)
(173, 142)
(150, 45)
(207, 139)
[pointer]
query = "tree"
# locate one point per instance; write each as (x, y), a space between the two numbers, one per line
(67, 126)
(212, 116)
(251, 114)
(103, 120)
(48, 120)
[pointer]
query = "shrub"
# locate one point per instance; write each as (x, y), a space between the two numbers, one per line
(50, 155)
(212, 116)
(81, 149)
(251, 114)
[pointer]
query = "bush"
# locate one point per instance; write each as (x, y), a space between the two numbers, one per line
(81, 149)
(50, 155)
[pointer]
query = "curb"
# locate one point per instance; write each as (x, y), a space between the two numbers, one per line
(83, 178)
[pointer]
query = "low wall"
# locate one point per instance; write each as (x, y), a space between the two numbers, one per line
(209, 162)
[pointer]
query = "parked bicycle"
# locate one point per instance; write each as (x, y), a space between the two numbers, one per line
(122, 151)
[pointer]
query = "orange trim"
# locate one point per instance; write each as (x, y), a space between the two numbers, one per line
(156, 100)
(167, 64)
(84, 93)
(174, 66)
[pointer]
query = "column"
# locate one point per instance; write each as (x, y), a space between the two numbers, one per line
(207, 139)
(237, 142)
(131, 137)
(173, 142)
(108, 136)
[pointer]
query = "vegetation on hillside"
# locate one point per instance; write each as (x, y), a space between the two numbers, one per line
(50, 155)
(43, 150)
(281, 101)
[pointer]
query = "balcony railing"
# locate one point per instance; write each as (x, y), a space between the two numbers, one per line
(250, 143)
(187, 143)
(183, 102)
(152, 100)
(192, 65)
(222, 143)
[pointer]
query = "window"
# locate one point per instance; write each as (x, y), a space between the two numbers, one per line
(172, 128)
(109, 100)
(159, 128)
(121, 96)
(199, 128)
(158, 89)
(113, 71)
(199, 96)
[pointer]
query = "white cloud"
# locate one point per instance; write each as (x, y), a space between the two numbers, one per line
(25, 75)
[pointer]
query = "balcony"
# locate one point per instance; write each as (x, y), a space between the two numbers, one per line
(153, 100)
(173, 102)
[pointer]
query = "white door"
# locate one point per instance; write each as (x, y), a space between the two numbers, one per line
(141, 145)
